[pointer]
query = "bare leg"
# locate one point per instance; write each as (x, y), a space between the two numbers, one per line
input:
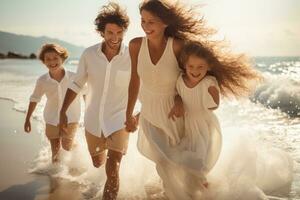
(67, 136)
(99, 159)
(112, 172)
(55, 146)
(66, 143)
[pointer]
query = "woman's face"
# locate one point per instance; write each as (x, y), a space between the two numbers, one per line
(152, 25)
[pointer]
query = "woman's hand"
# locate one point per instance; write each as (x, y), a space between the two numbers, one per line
(176, 111)
(131, 124)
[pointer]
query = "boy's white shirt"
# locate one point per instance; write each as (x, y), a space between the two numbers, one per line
(107, 82)
(55, 92)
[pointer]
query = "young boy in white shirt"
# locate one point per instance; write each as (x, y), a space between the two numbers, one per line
(54, 84)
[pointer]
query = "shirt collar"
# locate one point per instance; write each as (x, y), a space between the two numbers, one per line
(121, 52)
(66, 76)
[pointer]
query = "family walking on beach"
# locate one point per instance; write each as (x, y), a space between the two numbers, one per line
(178, 74)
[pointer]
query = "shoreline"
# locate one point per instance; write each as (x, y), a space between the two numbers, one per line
(18, 150)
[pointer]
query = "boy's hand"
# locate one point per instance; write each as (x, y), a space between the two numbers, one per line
(131, 124)
(176, 111)
(63, 120)
(27, 126)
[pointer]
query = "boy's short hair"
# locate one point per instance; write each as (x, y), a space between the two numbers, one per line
(49, 47)
(111, 13)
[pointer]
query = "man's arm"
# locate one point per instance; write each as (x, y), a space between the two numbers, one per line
(69, 98)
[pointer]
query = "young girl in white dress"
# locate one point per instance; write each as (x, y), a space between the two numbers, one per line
(206, 75)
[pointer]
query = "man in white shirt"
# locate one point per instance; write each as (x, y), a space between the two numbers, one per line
(105, 68)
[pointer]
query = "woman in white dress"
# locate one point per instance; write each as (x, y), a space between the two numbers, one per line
(153, 76)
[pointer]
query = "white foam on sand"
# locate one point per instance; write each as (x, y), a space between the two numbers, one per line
(248, 168)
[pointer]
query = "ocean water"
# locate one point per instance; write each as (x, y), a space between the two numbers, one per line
(261, 139)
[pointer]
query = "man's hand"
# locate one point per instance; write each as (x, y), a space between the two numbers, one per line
(63, 120)
(27, 126)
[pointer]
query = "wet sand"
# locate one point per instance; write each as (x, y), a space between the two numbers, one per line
(17, 152)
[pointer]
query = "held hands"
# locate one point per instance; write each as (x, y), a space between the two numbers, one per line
(27, 126)
(176, 111)
(63, 120)
(131, 123)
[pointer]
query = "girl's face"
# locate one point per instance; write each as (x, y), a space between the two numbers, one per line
(196, 68)
(53, 61)
(152, 25)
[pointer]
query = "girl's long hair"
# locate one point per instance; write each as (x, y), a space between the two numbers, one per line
(234, 72)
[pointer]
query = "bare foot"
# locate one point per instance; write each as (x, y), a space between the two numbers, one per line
(55, 158)
(205, 185)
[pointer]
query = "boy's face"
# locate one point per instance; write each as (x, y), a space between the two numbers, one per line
(196, 68)
(113, 36)
(53, 61)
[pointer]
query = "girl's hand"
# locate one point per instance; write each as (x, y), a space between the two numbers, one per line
(27, 126)
(131, 124)
(176, 111)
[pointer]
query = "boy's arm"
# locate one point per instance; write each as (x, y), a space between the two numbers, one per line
(31, 108)
(36, 96)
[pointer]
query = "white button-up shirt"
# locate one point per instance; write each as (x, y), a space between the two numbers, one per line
(55, 92)
(107, 82)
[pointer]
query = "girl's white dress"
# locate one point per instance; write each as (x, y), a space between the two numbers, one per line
(202, 141)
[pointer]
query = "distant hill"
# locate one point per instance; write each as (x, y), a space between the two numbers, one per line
(26, 45)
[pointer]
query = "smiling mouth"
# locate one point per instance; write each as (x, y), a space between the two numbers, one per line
(148, 32)
(114, 43)
(54, 66)
(195, 76)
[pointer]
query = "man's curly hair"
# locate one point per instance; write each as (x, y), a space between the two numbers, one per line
(111, 13)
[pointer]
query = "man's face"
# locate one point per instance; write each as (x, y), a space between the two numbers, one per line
(113, 36)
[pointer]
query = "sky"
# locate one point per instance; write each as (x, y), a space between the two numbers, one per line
(256, 27)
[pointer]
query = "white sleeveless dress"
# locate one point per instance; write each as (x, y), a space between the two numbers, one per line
(159, 137)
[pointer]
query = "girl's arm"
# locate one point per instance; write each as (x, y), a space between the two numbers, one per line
(31, 108)
(134, 85)
(214, 92)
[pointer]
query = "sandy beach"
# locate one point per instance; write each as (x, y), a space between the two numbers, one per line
(18, 150)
